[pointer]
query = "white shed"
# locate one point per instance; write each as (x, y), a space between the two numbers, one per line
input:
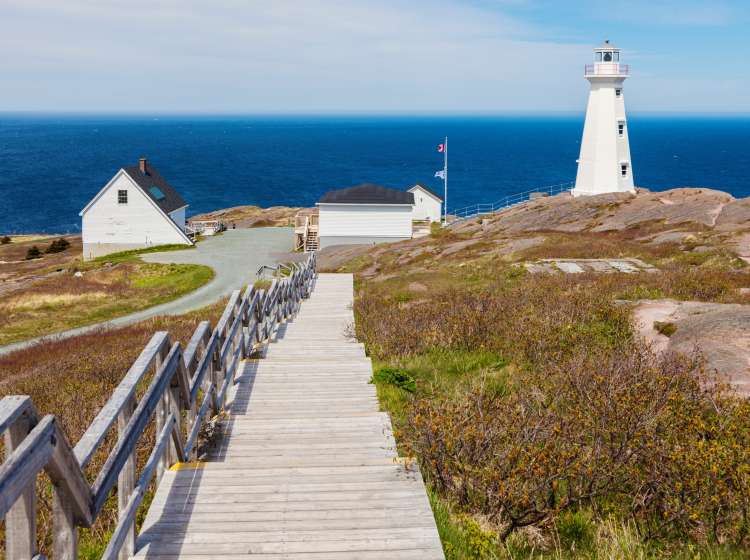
(136, 209)
(428, 205)
(364, 214)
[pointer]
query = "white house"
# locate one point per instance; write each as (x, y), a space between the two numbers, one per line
(136, 209)
(604, 165)
(428, 205)
(364, 214)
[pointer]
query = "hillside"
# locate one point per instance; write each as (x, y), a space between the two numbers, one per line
(513, 354)
(251, 216)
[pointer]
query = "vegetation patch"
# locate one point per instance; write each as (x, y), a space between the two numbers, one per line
(73, 379)
(73, 298)
(543, 426)
(396, 377)
(664, 327)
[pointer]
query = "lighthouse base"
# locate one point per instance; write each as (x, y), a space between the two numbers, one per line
(581, 192)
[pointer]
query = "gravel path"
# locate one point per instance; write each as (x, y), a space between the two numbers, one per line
(235, 257)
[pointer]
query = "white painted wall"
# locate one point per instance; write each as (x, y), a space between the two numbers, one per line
(602, 148)
(365, 220)
(426, 207)
(178, 216)
(108, 226)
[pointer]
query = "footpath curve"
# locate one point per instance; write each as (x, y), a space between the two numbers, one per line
(235, 256)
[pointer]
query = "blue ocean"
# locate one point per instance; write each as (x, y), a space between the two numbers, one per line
(51, 166)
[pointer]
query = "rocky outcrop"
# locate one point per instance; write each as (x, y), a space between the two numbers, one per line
(251, 216)
(719, 331)
(691, 208)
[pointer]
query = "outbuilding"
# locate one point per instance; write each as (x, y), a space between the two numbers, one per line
(136, 209)
(365, 213)
(428, 205)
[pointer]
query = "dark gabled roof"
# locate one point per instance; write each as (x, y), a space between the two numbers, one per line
(367, 194)
(156, 187)
(429, 190)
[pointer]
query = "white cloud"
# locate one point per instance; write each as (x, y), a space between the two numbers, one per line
(288, 55)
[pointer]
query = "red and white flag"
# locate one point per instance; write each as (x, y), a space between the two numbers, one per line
(441, 148)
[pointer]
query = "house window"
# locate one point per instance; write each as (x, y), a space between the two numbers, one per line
(122, 197)
(618, 92)
(620, 129)
(624, 169)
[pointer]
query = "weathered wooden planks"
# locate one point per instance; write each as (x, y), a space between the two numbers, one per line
(307, 467)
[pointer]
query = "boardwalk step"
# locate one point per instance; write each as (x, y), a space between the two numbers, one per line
(306, 466)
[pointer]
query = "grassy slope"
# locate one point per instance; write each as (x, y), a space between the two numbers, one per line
(72, 379)
(401, 277)
(110, 287)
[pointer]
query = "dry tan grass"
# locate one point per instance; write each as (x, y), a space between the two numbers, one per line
(34, 302)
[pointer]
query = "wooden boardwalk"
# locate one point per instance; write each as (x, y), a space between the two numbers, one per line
(307, 467)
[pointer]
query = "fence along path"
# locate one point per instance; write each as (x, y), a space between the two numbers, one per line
(184, 386)
(308, 465)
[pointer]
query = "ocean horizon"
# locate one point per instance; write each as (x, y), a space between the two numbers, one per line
(54, 163)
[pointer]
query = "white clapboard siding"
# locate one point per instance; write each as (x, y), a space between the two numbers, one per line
(307, 467)
(426, 206)
(108, 226)
(365, 220)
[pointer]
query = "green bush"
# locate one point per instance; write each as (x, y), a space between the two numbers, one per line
(5, 240)
(33, 253)
(395, 376)
(665, 328)
(58, 246)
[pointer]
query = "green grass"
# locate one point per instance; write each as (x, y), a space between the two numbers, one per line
(140, 286)
(124, 256)
(576, 537)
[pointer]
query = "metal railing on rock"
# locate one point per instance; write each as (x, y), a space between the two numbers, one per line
(510, 200)
(186, 385)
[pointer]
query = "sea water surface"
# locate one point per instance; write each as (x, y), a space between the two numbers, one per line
(52, 165)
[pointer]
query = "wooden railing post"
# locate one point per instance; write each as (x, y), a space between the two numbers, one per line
(126, 480)
(20, 521)
(162, 412)
(65, 538)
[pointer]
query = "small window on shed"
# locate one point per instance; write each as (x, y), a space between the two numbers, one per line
(620, 129)
(122, 197)
(624, 169)
(618, 92)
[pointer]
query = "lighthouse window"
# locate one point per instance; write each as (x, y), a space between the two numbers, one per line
(616, 56)
(598, 57)
(620, 128)
(624, 169)
(607, 57)
(618, 92)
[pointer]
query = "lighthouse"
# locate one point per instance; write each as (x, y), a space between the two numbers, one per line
(604, 165)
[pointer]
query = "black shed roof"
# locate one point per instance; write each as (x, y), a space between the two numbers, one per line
(156, 187)
(367, 194)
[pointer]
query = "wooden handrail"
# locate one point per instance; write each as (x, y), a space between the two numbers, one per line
(204, 370)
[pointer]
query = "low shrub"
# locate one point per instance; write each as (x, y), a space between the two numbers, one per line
(654, 437)
(33, 253)
(664, 327)
(396, 377)
(5, 240)
(58, 246)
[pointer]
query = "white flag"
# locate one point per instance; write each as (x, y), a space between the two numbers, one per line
(440, 174)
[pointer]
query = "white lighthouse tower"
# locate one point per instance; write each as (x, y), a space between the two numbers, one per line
(604, 165)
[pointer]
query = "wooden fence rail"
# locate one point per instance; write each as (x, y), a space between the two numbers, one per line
(186, 385)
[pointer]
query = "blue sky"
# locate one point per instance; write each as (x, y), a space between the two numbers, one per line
(339, 56)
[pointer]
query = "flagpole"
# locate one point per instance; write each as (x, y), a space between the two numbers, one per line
(445, 184)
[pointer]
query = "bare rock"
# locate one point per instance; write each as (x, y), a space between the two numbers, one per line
(719, 331)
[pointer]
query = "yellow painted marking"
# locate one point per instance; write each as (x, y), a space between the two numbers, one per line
(186, 466)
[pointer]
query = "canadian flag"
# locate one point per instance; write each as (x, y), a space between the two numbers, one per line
(441, 148)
